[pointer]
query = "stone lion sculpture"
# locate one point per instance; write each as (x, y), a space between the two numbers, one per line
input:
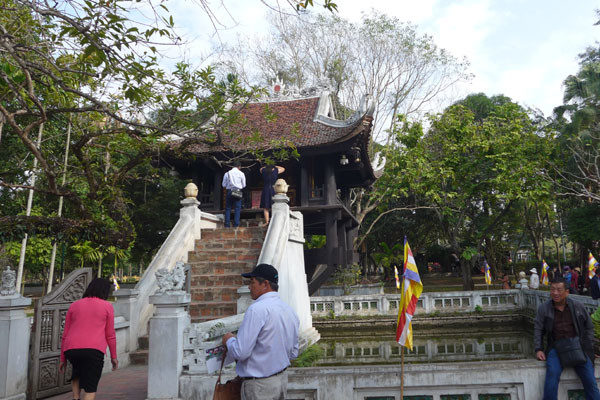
(171, 282)
(8, 282)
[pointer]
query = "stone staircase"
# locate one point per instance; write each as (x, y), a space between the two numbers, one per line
(215, 267)
(140, 356)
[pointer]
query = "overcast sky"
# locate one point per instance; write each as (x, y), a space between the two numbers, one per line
(523, 49)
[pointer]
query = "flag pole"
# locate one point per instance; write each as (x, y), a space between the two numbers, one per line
(401, 372)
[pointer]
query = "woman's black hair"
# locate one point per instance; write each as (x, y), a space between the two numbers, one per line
(269, 166)
(98, 287)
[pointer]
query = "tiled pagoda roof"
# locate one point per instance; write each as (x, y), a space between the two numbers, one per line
(293, 121)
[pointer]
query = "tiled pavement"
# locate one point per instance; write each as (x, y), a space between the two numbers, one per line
(129, 383)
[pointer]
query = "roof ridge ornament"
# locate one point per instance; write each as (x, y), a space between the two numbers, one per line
(279, 91)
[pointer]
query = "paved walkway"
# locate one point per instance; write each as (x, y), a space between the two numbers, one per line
(129, 383)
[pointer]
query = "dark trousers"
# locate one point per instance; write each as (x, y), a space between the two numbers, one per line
(554, 370)
(237, 207)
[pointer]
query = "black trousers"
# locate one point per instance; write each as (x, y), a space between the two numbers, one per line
(87, 367)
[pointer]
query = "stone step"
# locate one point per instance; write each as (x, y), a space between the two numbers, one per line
(221, 281)
(143, 342)
(221, 295)
(206, 311)
(217, 246)
(139, 357)
(230, 233)
(232, 256)
(219, 268)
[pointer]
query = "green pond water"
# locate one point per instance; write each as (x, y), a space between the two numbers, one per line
(475, 342)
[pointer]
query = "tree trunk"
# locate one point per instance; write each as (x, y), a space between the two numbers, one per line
(556, 245)
(465, 266)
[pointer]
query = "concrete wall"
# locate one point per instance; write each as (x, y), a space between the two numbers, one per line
(522, 380)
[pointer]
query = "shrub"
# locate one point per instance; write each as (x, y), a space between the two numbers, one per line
(309, 357)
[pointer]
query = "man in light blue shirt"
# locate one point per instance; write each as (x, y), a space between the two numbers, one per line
(234, 179)
(267, 340)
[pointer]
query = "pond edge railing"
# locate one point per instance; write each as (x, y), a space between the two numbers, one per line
(436, 302)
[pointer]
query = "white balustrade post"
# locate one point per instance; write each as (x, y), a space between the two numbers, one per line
(427, 303)
(338, 306)
(385, 305)
(14, 339)
(125, 306)
(475, 300)
(244, 300)
(165, 361)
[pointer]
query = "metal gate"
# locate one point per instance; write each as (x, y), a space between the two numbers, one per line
(48, 324)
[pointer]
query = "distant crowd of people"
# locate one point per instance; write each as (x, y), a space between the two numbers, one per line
(575, 281)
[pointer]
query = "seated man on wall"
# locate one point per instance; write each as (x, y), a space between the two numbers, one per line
(267, 340)
(569, 331)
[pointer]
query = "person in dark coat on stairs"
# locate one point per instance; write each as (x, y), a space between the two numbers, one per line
(269, 173)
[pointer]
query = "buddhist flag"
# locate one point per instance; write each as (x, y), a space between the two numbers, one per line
(488, 275)
(545, 269)
(592, 264)
(411, 290)
(115, 283)
(397, 278)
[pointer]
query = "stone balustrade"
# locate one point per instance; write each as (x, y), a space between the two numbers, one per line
(436, 302)
(199, 337)
(531, 299)
(439, 302)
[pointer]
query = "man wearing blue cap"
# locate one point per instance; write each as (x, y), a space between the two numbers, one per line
(267, 340)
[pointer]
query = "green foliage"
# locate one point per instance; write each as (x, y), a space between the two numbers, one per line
(596, 321)
(316, 242)
(388, 256)
(37, 257)
(85, 251)
(347, 277)
(309, 357)
(478, 309)
(583, 224)
(93, 68)
(469, 253)
(471, 167)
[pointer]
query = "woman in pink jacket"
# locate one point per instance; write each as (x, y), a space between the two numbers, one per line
(89, 329)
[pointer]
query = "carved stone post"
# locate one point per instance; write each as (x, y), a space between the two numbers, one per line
(244, 299)
(14, 339)
(125, 306)
(165, 361)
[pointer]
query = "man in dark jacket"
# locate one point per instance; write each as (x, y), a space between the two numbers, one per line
(561, 318)
(595, 285)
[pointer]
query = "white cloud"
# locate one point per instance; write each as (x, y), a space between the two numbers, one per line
(462, 27)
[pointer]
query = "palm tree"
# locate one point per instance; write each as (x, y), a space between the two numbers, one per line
(86, 252)
(117, 253)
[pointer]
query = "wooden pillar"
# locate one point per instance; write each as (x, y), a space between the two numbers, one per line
(304, 189)
(331, 231)
(345, 196)
(330, 185)
(341, 237)
(351, 235)
(218, 191)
